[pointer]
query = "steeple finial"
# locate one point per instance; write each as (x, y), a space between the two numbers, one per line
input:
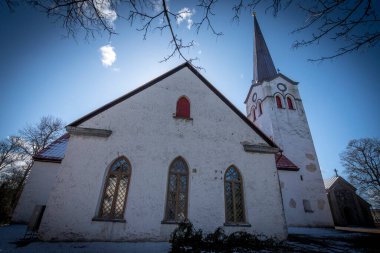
(262, 61)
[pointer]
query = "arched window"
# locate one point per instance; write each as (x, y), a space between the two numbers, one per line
(278, 101)
(116, 190)
(183, 108)
(254, 113)
(176, 198)
(260, 108)
(290, 103)
(233, 193)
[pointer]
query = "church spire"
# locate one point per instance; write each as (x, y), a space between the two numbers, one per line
(263, 64)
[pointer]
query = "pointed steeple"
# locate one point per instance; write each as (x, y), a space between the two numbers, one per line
(263, 64)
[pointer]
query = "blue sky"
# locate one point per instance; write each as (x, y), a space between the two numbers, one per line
(43, 73)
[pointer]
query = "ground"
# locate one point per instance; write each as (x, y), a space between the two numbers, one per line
(300, 240)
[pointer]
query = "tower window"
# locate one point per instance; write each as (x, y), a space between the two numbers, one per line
(253, 113)
(260, 108)
(290, 103)
(183, 108)
(279, 102)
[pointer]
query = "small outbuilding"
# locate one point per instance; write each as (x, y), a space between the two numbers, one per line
(347, 207)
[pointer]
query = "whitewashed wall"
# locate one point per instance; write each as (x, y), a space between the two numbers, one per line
(144, 130)
(290, 130)
(36, 190)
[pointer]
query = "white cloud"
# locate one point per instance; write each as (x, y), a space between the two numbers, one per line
(108, 55)
(189, 23)
(184, 14)
(104, 7)
(199, 51)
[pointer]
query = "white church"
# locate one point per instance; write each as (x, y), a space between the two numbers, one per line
(177, 149)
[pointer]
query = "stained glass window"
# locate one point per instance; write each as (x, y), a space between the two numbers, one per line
(116, 190)
(233, 192)
(176, 199)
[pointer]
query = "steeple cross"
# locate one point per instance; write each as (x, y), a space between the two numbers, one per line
(336, 172)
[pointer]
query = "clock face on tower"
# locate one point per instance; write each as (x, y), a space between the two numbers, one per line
(254, 97)
(281, 87)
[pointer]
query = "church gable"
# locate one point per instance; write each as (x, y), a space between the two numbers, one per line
(159, 98)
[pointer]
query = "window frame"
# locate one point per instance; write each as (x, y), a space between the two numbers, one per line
(112, 217)
(289, 102)
(234, 222)
(166, 220)
(278, 101)
(177, 115)
(260, 108)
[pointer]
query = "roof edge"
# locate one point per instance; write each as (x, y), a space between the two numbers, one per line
(129, 94)
(160, 78)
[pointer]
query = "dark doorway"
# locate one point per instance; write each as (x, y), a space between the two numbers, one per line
(350, 219)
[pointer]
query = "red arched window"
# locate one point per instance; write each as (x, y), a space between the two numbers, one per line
(278, 101)
(183, 108)
(260, 109)
(254, 113)
(290, 103)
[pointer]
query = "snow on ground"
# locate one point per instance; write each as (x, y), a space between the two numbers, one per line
(319, 232)
(10, 234)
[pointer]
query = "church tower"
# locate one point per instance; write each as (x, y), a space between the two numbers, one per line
(274, 105)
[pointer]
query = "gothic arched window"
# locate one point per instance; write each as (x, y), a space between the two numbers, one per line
(278, 101)
(176, 196)
(233, 194)
(183, 108)
(254, 113)
(116, 190)
(290, 103)
(260, 108)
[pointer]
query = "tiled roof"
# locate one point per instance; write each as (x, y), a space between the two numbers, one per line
(329, 182)
(55, 152)
(283, 163)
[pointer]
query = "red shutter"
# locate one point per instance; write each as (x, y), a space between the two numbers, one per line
(183, 108)
(290, 103)
(278, 101)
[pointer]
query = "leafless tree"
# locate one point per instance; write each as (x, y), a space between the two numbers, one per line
(9, 152)
(16, 157)
(361, 160)
(350, 25)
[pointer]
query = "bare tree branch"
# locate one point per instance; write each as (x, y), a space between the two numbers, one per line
(349, 25)
(361, 161)
(207, 6)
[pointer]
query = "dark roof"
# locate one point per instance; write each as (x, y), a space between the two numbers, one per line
(329, 183)
(54, 152)
(263, 63)
(158, 79)
(283, 163)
